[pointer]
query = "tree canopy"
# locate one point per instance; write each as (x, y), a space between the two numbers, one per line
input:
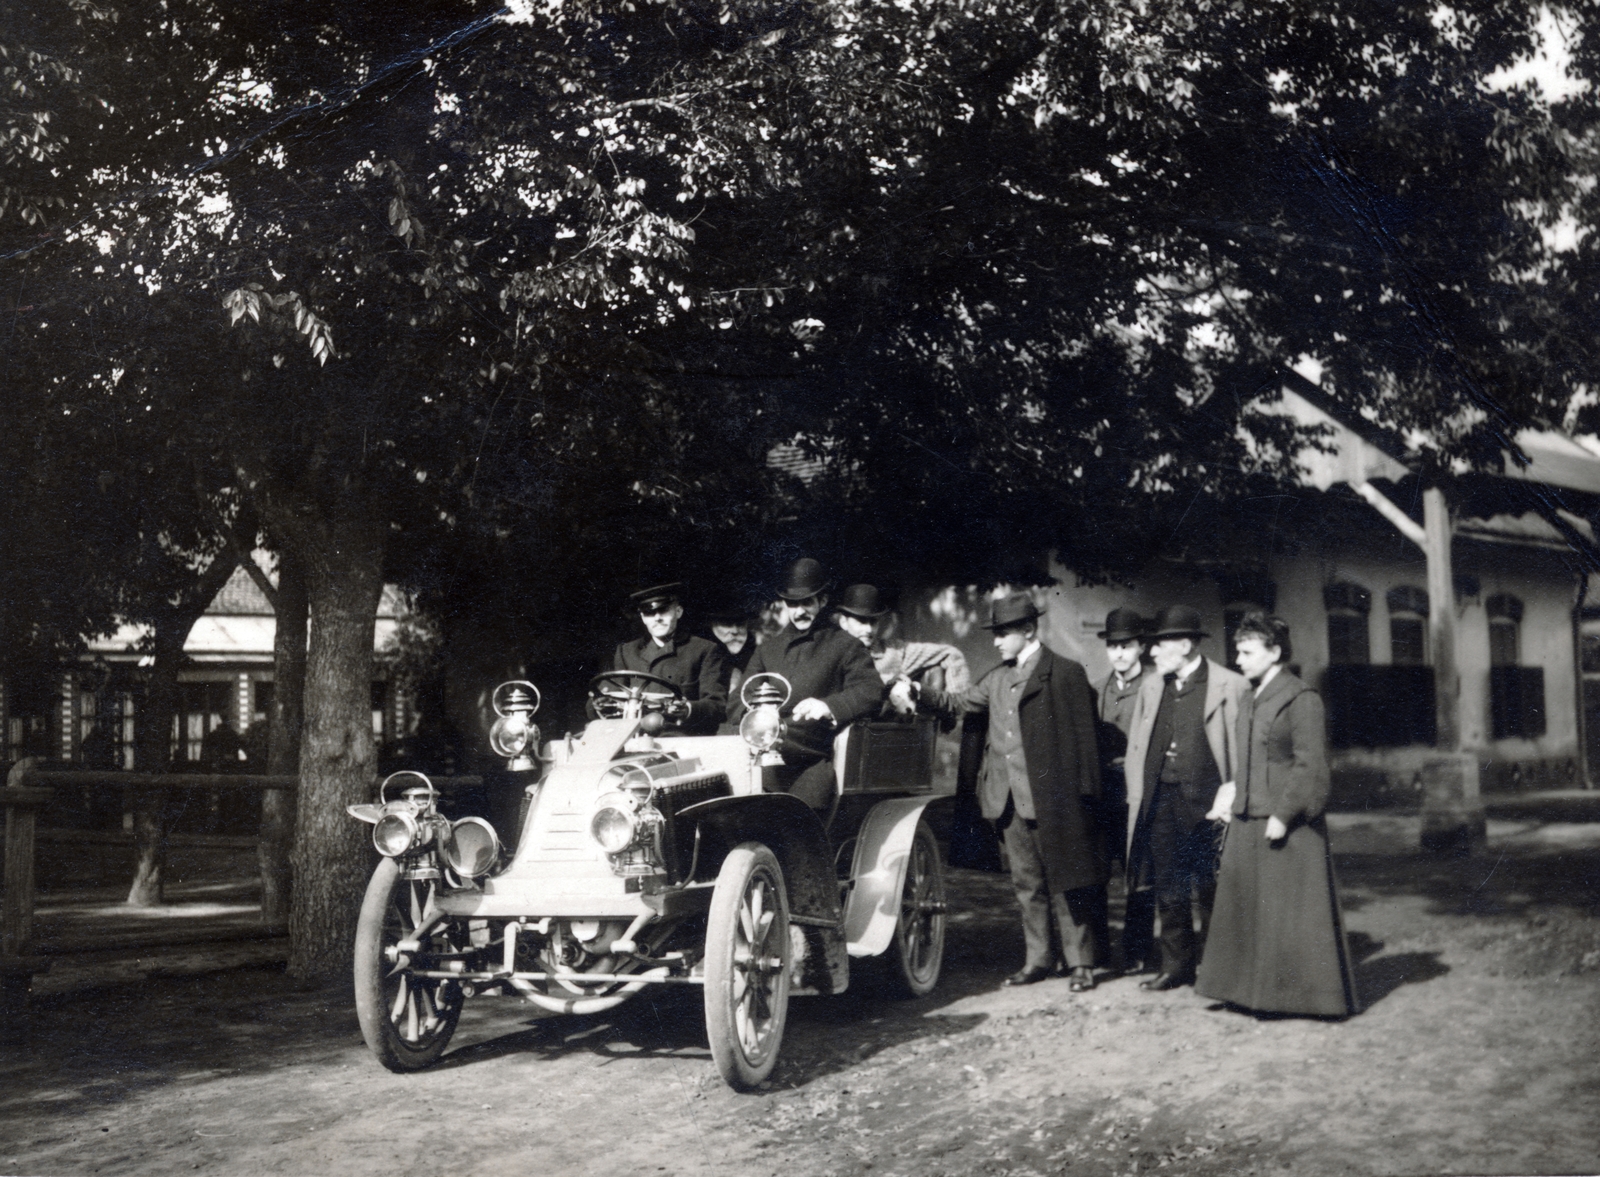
(545, 285)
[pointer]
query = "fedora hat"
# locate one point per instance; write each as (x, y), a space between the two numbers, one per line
(1012, 610)
(1176, 621)
(1123, 625)
(670, 592)
(861, 600)
(806, 578)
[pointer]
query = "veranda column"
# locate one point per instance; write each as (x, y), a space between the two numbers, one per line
(1452, 808)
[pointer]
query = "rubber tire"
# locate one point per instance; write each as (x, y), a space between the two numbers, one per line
(383, 922)
(909, 971)
(745, 1065)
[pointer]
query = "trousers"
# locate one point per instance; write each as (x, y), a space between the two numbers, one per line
(1080, 914)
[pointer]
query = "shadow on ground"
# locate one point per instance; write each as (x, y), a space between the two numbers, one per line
(1504, 882)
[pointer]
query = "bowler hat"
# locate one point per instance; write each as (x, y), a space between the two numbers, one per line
(1177, 621)
(1123, 625)
(1012, 610)
(657, 592)
(806, 578)
(728, 612)
(861, 600)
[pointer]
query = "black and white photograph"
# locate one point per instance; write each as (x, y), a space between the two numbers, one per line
(800, 588)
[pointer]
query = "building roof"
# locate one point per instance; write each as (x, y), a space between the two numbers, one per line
(239, 625)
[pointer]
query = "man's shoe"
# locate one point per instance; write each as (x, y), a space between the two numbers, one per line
(1082, 980)
(1028, 976)
(1161, 982)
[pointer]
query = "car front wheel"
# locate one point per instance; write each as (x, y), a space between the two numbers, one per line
(406, 1020)
(747, 966)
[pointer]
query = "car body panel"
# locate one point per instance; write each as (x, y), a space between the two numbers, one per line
(883, 848)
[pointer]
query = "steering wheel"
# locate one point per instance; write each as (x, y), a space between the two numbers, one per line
(629, 699)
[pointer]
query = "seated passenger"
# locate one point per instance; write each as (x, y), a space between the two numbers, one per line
(693, 664)
(861, 613)
(833, 683)
(730, 625)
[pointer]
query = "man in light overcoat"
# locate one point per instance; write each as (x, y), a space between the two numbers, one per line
(1182, 765)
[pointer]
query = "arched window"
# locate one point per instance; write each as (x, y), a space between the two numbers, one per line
(1408, 626)
(1505, 629)
(1348, 641)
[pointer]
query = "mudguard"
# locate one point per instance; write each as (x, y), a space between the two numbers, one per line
(788, 827)
(879, 872)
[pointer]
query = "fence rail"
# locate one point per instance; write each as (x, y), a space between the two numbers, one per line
(29, 788)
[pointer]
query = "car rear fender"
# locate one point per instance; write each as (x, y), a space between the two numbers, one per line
(879, 872)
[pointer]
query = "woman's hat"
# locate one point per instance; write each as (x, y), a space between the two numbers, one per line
(806, 578)
(1123, 625)
(1012, 610)
(861, 600)
(1176, 621)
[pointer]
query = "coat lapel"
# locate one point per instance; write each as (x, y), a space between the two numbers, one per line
(1215, 689)
(1040, 676)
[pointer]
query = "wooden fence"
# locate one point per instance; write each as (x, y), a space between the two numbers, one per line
(28, 788)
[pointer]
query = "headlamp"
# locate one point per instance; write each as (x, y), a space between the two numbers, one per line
(471, 847)
(514, 735)
(764, 696)
(396, 834)
(613, 825)
(761, 728)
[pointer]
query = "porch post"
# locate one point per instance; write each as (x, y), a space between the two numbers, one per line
(1452, 807)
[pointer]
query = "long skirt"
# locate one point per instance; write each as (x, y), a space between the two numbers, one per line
(1277, 941)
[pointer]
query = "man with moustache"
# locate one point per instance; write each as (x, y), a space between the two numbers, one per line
(730, 626)
(1182, 756)
(832, 682)
(1040, 786)
(691, 663)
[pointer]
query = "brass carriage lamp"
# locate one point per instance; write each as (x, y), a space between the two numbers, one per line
(515, 736)
(762, 727)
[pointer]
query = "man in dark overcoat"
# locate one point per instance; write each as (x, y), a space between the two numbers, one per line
(832, 681)
(1040, 785)
(1127, 651)
(691, 663)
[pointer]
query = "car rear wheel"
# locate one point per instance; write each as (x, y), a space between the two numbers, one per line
(917, 954)
(747, 966)
(406, 1020)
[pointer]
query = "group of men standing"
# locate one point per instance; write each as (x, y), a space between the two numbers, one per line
(1073, 780)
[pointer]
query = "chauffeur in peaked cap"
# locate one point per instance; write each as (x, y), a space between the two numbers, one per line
(694, 664)
(832, 680)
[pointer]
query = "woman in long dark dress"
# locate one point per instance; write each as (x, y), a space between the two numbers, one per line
(1277, 941)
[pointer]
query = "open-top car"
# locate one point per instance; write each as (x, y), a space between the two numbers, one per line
(650, 859)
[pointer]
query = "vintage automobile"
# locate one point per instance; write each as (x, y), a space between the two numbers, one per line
(649, 859)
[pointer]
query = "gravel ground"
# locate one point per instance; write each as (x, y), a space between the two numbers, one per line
(1479, 1052)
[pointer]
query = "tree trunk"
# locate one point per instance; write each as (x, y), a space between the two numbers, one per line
(153, 753)
(153, 726)
(283, 749)
(332, 854)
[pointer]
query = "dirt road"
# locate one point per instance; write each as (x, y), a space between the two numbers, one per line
(1479, 1053)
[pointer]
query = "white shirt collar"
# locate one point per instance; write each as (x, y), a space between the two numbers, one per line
(1189, 668)
(1267, 677)
(1028, 652)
